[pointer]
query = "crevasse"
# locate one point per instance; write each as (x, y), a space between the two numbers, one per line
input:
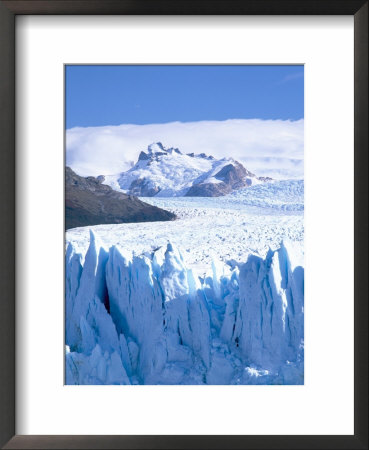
(151, 320)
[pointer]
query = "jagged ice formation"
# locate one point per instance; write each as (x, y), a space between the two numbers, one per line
(151, 320)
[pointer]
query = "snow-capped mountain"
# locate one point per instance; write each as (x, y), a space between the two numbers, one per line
(167, 172)
(273, 148)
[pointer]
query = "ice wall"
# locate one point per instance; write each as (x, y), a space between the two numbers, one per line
(151, 320)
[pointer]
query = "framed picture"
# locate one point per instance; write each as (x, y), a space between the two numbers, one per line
(156, 225)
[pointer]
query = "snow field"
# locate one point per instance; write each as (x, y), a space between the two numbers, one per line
(227, 228)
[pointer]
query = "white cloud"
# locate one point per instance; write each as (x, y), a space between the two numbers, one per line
(266, 147)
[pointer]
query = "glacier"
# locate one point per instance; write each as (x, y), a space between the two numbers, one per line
(152, 319)
(229, 227)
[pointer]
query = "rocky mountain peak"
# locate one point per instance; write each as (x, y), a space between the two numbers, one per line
(168, 172)
(155, 150)
(156, 147)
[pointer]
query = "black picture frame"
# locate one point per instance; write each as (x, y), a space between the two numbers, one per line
(8, 11)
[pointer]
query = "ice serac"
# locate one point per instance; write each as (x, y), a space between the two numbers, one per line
(151, 320)
(89, 327)
(84, 286)
(160, 307)
(269, 322)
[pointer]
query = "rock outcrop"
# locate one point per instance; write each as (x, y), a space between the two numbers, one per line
(89, 202)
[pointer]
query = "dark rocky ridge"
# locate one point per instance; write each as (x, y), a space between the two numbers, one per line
(89, 202)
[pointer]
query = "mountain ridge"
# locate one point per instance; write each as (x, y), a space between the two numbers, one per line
(167, 172)
(90, 202)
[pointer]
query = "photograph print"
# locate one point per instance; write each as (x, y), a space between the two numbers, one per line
(184, 225)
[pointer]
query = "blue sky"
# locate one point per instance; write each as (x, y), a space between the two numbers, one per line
(113, 95)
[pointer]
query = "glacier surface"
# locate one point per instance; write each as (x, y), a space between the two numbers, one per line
(228, 228)
(153, 319)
